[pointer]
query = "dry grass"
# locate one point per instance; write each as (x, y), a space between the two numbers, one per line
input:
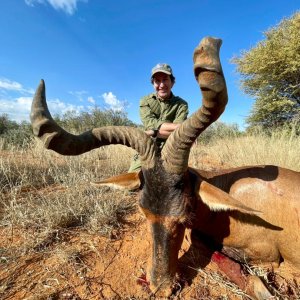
(46, 193)
(215, 278)
(45, 197)
(280, 287)
(281, 149)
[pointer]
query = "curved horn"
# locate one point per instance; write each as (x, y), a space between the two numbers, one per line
(209, 74)
(65, 143)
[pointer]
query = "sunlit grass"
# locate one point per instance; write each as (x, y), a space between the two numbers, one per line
(280, 149)
(43, 192)
(44, 196)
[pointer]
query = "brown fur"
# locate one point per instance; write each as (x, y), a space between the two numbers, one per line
(223, 206)
(258, 221)
(273, 237)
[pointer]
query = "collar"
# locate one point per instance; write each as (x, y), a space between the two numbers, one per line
(164, 100)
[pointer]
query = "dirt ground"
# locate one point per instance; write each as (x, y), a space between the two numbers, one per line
(75, 264)
(86, 266)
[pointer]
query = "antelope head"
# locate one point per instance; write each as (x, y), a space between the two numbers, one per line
(166, 196)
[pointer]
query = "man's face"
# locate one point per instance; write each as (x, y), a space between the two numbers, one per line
(162, 84)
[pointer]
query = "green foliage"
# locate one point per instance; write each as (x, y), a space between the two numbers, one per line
(219, 130)
(20, 135)
(14, 134)
(271, 74)
(96, 118)
(6, 124)
(289, 128)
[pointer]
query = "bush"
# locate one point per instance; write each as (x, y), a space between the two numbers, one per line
(219, 130)
(16, 135)
(96, 118)
(291, 129)
(20, 137)
(6, 124)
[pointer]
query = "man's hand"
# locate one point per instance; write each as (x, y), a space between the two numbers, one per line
(164, 130)
(149, 132)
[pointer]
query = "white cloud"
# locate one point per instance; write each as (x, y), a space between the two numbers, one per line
(31, 2)
(91, 100)
(18, 109)
(79, 94)
(58, 107)
(82, 97)
(8, 85)
(17, 106)
(68, 6)
(111, 100)
(15, 101)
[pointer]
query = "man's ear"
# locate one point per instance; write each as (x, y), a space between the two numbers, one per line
(126, 181)
(218, 200)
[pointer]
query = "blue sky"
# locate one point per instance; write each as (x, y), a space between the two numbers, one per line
(94, 52)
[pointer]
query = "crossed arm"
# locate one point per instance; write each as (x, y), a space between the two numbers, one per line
(162, 126)
(164, 130)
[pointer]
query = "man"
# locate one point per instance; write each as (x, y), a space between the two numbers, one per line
(161, 112)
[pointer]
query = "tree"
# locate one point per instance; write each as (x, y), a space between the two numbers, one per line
(271, 74)
(6, 124)
(78, 123)
(219, 130)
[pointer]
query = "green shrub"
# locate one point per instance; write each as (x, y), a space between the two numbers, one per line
(6, 124)
(16, 136)
(219, 130)
(76, 123)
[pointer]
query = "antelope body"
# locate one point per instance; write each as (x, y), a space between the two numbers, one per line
(252, 213)
(271, 237)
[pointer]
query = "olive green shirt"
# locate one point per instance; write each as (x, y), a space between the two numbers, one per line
(155, 111)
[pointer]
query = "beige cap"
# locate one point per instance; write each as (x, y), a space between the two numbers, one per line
(163, 68)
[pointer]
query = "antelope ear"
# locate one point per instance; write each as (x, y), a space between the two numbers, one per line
(126, 181)
(218, 200)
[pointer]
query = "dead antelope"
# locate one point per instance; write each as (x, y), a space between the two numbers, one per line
(251, 213)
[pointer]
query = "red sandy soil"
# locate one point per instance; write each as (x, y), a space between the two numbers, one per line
(87, 266)
(79, 265)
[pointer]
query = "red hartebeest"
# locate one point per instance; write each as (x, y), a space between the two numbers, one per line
(251, 213)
